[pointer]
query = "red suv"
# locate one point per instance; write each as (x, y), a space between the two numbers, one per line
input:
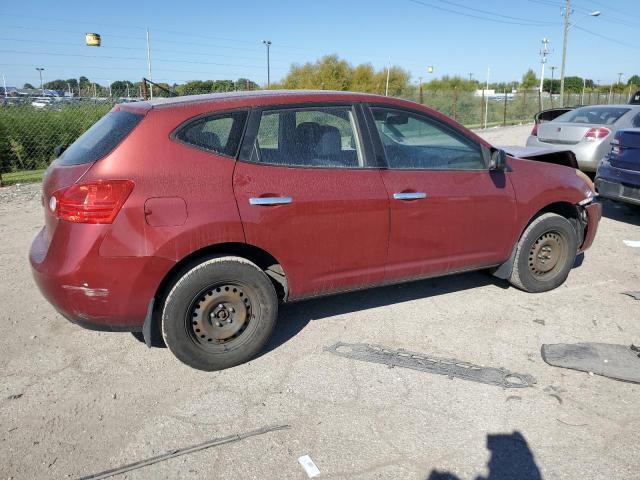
(195, 216)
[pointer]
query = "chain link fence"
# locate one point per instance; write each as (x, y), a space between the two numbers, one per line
(31, 127)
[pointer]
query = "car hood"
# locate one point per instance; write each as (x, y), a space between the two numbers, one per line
(556, 156)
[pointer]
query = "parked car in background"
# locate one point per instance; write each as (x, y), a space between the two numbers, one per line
(618, 176)
(635, 98)
(586, 131)
(196, 216)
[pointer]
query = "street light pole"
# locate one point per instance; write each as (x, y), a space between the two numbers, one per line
(40, 70)
(567, 26)
(149, 62)
(268, 44)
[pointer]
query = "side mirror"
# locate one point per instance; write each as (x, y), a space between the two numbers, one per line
(59, 150)
(498, 160)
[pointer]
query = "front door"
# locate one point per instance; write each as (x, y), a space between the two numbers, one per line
(306, 196)
(448, 211)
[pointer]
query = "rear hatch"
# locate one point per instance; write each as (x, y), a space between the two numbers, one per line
(625, 151)
(97, 142)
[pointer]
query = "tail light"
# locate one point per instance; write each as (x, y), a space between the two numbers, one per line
(534, 132)
(96, 202)
(594, 134)
(616, 148)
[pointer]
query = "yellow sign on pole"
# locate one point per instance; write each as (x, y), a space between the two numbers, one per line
(92, 39)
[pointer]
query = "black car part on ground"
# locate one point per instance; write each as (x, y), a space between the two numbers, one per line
(426, 363)
(619, 362)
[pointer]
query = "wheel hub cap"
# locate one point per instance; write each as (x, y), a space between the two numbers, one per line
(220, 314)
(545, 253)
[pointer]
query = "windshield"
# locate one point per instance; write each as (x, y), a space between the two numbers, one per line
(593, 115)
(101, 138)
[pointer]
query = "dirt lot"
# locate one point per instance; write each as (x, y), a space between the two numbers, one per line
(75, 402)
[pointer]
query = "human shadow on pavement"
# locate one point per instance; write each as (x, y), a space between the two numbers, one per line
(293, 317)
(620, 212)
(511, 459)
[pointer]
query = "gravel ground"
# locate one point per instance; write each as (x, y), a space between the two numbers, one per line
(75, 402)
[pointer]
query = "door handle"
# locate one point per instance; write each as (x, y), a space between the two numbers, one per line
(270, 200)
(409, 195)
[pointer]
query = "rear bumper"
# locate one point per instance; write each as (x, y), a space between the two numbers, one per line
(99, 293)
(618, 184)
(588, 154)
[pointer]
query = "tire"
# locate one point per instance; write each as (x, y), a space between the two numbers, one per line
(545, 254)
(219, 314)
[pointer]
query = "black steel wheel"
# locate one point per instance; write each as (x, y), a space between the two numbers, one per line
(219, 314)
(545, 254)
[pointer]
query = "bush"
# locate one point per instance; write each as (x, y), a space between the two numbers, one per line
(29, 135)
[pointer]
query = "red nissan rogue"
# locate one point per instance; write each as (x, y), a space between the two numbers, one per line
(195, 216)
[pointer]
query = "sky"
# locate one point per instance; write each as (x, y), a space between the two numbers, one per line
(223, 39)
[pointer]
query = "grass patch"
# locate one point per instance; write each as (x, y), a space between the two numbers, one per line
(26, 176)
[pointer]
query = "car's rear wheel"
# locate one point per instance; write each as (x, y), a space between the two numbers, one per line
(545, 254)
(219, 314)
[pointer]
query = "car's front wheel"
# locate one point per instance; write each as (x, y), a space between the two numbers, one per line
(219, 314)
(545, 254)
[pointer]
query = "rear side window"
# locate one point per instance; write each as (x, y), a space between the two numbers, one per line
(322, 137)
(220, 133)
(593, 115)
(101, 138)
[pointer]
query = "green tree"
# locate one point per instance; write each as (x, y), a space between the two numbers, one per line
(332, 73)
(449, 83)
(634, 80)
(27, 85)
(573, 84)
(529, 80)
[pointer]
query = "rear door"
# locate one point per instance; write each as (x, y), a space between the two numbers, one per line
(448, 211)
(308, 194)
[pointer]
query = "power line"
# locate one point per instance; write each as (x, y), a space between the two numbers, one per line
(134, 58)
(466, 7)
(469, 15)
(607, 38)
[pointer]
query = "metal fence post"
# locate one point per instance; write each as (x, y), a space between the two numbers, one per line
(482, 108)
(455, 102)
(504, 116)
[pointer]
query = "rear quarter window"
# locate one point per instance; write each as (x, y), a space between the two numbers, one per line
(217, 133)
(101, 138)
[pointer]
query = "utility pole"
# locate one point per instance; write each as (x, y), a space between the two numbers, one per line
(567, 14)
(470, 76)
(4, 85)
(553, 69)
(584, 85)
(40, 70)
(421, 92)
(268, 44)
(149, 62)
(543, 60)
(620, 77)
(386, 89)
(486, 106)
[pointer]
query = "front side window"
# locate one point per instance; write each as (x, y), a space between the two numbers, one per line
(413, 141)
(216, 133)
(322, 137)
